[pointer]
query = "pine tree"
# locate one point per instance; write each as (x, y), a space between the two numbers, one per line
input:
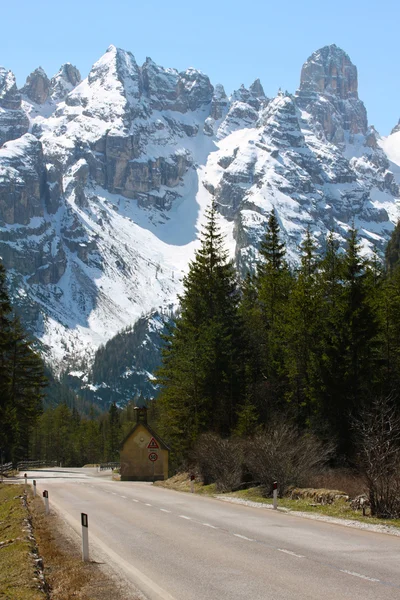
(201, 375)
(273, 284)
(303, 318)
(347, 355)
(21, 381)
(114, 433)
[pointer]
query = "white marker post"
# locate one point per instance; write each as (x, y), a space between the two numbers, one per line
(275, 495)
(26, 481)
(46, 501)
(85, 537)
(192, 483)
(34, 488)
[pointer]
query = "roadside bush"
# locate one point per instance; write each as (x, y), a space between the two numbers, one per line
(219, 460)
(378, 435)
(284, 455)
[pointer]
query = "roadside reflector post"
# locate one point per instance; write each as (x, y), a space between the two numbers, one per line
(26, 480)
(192, 478)
(85, 537)
(275, 495)
(46, 501)
(34, 488)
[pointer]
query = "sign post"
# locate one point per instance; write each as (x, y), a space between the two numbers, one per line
(46, 501)
(34, 488)
(275, 495)
(85, 537)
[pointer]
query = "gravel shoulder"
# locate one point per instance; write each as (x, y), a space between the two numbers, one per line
(315, 517)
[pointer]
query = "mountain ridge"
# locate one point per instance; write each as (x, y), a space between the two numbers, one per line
(104, 183)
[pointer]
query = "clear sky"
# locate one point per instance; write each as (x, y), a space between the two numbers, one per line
(232, 41)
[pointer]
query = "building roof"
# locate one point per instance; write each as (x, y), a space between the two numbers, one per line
(163, 445)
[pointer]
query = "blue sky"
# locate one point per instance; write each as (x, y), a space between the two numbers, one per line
(233, 42)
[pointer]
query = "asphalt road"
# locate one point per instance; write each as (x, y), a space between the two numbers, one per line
(176, 546)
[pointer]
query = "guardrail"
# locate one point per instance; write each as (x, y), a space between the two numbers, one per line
(7, 467)
(109, 465)
(27, 465)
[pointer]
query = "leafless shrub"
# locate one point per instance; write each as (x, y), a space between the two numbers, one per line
(284, 455)
(378, 435)
(219, 460)
(348, 480)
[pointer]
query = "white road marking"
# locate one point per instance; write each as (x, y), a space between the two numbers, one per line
(147, 504)
(183, 517)
(165, 510)
(359, 575)
(123, 497)
(114, 494)
(208, 525)
(133, 500)
(290, 552)
(243, 537)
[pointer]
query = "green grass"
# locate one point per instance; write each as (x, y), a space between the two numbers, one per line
(16, 565)
(339, 509)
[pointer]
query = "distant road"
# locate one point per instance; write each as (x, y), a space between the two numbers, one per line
(176, 546)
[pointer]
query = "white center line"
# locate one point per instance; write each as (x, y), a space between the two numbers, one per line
(290, 552)
(165, 510)
(243, 537)
(123, 497)
(183, 517)
(358, 575)
(133, 500)
(147, 504)
(208, 525)
(114, 494)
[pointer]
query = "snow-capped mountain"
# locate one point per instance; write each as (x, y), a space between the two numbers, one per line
(104, 183)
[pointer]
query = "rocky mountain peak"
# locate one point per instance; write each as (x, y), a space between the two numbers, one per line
(37, 86)
(13, 120)
(330, 70)
(256, 89)
(396, 128)
(9, 95)
(254, 96)
(64, 81)
(115, 65)
(329, 92)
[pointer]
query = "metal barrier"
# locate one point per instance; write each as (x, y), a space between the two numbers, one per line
(109, 465)
(7, 467)
(27, 465)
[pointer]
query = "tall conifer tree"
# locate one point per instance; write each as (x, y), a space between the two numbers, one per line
(201, 376)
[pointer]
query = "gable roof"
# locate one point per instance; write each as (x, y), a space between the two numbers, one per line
(150, 430)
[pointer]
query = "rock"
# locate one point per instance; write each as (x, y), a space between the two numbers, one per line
(167, 89)
(37, 86)
(22, 180)
(396, 128)
(63, 82)
(13, 121)
(219, 103)
(329, 92)
(10, 98)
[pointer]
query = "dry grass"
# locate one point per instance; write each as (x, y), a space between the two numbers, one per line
(66, 575)
(331, 502)
(18, 577)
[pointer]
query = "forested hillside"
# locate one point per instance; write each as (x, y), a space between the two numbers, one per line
(314, 347)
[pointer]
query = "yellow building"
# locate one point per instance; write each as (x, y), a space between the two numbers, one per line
(144, 456)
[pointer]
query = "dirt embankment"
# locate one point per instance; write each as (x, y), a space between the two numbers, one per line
(41, 560)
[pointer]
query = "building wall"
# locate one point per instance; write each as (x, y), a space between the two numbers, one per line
(135, 463)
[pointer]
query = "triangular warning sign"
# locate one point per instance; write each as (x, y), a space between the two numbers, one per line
(153, 444)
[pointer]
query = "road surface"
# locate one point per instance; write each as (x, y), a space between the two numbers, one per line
(176, 546)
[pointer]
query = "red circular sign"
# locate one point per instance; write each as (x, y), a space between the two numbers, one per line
(153, 456)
